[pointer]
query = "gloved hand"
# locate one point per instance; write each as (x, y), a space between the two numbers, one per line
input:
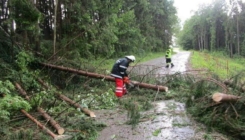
(126, 80)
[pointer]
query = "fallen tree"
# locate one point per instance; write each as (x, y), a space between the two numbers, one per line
(59, 129)
(71, 102)
(108, 78)
(221, 97)
(39, 124)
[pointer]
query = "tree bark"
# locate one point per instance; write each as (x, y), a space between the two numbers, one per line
(108, 78)
(22, 91)
(71, 102)
(221, 97)
(38, 123)
(55, 24)
(59, 129)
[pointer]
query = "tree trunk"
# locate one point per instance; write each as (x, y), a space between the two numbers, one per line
(221, 97)
(55, 19)
(71, 102)
(108, 78)
(22, 91)
(59, 129)
(38, 123)
(238, 35)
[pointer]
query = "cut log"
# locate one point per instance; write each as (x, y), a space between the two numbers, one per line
(59, 129)
(71, 102)
(100, 76)
(221, 97)
(39, 124)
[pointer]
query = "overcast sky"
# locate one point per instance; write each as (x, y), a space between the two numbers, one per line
(184, 7)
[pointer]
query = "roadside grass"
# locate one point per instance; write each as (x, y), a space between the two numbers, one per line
(199, 102)
(217, 63)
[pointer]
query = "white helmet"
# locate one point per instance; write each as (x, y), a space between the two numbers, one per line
(131, 57)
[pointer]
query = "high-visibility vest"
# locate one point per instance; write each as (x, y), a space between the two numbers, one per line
(168, 53)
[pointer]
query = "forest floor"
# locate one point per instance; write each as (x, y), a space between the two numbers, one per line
(168, 119)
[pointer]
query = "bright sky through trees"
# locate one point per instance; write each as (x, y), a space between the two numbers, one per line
(185, 7)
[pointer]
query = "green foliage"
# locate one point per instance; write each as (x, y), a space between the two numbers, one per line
(6, 48)
(105, 100)
(26, 15)
(9, 104)
(6, 87)
(40, 97)
(133, 108)
(88, 129)
(23, 72)
(156, 132)
(23, 59)
(208, 137)
(26, 134)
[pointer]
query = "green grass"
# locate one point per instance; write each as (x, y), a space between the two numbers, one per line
(217, 63)
(107, 64)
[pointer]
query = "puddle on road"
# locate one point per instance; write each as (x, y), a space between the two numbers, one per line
(166, 121)
(179, 62)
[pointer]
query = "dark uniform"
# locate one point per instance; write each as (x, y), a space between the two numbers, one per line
(119, 72)
(119, 68)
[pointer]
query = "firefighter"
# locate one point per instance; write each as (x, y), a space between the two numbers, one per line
(119, 73)
(168, 57)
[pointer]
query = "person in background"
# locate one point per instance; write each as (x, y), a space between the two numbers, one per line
(168, 57)
(119, 73)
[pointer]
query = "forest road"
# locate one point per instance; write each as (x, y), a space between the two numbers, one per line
(179, 59)
(168, 119)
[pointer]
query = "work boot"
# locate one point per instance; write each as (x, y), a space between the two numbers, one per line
(166, 66)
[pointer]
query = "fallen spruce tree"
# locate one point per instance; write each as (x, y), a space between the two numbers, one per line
(68, 100)
(48, 118)
(105, 77)
(220, 111)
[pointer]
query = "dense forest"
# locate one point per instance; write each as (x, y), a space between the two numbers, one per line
(86, 28)
(218, 26)
(68, 32)
(35, 34)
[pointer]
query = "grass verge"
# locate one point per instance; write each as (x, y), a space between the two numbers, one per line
(217, 63)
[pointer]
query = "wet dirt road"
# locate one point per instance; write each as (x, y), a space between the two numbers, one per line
(167, 121)
(157, 66)
(179, 59)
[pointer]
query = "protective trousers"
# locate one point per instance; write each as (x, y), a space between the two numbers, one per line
(169, 62)
(120, 87)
